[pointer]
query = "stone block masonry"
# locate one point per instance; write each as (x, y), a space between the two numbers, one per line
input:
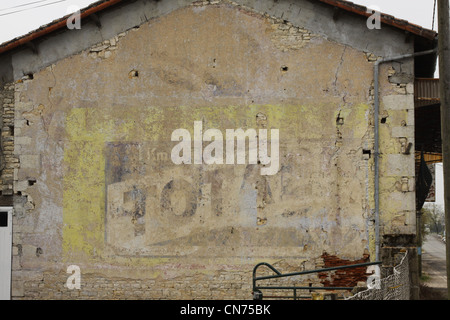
(221, 285)
(8, 162)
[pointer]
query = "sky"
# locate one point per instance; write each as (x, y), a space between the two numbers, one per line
(439, 184)
(18, 17)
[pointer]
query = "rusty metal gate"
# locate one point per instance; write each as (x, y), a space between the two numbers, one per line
(258, 294)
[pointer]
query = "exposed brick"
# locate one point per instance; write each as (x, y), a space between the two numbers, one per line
(345, 277)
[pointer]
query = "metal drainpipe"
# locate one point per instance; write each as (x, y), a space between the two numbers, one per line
(376, 146)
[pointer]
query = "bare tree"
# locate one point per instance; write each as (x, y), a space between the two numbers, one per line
(434, 217)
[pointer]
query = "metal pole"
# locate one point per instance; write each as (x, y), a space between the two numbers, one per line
(444, 76)
(419, 240)
(376, 159)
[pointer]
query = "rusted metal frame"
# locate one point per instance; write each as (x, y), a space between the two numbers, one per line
(280, 275)
(302, 288)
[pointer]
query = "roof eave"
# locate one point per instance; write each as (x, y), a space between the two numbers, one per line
(103, 4)
(55, 25)
(384, 18)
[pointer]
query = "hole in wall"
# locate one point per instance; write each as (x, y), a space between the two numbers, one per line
(133, 74)
(31, 182)
(284, 68)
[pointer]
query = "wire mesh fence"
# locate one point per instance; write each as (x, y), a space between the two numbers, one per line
(395, 286)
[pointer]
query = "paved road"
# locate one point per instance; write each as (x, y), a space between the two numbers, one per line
(434, 261)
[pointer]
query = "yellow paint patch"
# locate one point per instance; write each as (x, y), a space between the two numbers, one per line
(83, 187)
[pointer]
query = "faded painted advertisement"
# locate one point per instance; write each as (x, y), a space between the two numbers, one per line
(158, 208)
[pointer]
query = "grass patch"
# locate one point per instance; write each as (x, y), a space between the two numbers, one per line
(425, 277)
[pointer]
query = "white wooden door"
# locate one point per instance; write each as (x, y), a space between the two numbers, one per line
(5, 252)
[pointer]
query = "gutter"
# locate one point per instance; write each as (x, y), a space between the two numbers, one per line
(376, 133)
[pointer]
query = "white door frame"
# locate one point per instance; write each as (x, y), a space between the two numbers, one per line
(5, 254)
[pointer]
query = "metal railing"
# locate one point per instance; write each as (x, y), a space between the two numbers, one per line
(258, 295)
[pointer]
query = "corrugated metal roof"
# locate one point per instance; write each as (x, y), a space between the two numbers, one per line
(429, 157)
(426, 92)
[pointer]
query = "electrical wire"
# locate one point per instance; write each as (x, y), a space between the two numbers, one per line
(26, 9)
(23, 5)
